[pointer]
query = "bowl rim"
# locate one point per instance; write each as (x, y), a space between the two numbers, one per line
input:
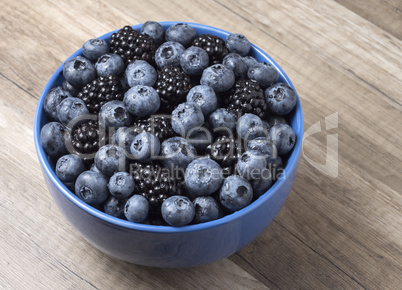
(47, 168)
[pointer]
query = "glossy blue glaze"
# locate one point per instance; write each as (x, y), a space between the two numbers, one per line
(163, 246)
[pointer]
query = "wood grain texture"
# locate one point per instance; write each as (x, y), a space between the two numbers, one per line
(387, 16)
(333, 232)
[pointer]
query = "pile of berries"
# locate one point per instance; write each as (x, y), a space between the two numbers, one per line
(168, 127)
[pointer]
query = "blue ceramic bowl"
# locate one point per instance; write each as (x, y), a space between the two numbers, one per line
(164, 246)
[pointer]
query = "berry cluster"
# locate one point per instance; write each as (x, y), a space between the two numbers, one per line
(168, 127)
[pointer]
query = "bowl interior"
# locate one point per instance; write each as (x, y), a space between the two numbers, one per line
(296, 121)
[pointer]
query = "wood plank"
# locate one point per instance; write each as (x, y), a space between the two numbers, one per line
(278, 257)
(386, 16)
(342, 232)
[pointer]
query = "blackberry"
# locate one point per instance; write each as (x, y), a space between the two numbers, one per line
(85, 137)
(100, 91)
(226, 151)
(158, 125)
(213, 45)
(244, 97)
(155, 183)
(131, 45)
(172, 85)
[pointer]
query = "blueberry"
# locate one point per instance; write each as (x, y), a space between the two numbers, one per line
(265, 126)
(136, 208)
(186, 117)
(91, 187)
(262, 184)
(168, 54)
(79, 71)
(237, 64)
(124, 85)
(205, 97)
(53, 138)
(140, 72)
(154, 30)
(123, 137)
(114, 207)
(145, 147)
(238, 43)
(265, 74)
(110, 159)
(273, 120)
(142, 101)
(249, 127)
(109, 64)
(283, 137)
(265, 146)
(218, 76)
(94, 48)
(177, 153)
(280, 99)
(114, 114)
(235, 193)
(182, 33)
(71, 108)
(52, 100)
(96, 169)
(121, 185)
(178, 211)
(200, 138)
(206, 209)
(221, 119)
(203, 176)
(68, 167)
(276, 168)
(250, 61)
(68, 87)
(194, 60)
(251, 164)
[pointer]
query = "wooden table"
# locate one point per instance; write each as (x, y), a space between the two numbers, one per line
(340, 227)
